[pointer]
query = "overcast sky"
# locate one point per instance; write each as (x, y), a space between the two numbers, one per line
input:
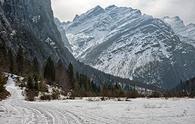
(66, 10)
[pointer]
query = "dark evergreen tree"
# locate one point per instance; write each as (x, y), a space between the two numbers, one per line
(70, 72)
(2, 83)
(36, 80)
(77, 76)
(49, 70)
(94, 87)
(36, 67)
(20, 60)
(30, 83)
(134, 87)
(11, 61)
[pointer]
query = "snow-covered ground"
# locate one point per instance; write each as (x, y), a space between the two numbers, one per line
(15, 110)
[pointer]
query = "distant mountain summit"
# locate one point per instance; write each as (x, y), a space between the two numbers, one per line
(124, 42)
(185, 32)
(180, 28)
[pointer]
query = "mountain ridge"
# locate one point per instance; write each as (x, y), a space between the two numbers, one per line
(124, 42)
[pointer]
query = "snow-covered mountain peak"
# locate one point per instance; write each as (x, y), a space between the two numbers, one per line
(76, 17)
(180, 28)
(110, 7)
(114, 7)
(96, 9)
(175, 22)
(92, 27)
(124, 42)
(175, 19)
(89, 14)
(191, 25)
(94, 12)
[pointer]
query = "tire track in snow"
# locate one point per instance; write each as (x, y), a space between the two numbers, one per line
(37, 116)
(22, 112)
(90, 117)
(72, 118)
(19, 111)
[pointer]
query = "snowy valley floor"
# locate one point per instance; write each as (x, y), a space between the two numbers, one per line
(15, 110)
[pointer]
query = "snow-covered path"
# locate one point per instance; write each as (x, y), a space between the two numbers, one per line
(15, 110)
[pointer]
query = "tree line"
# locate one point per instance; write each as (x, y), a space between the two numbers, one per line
(56, 74)
(69, 80)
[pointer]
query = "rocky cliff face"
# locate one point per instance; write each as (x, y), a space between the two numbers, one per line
(124, 42)
(34, 27)
(6, 38)
(5, 27)
(62, 31)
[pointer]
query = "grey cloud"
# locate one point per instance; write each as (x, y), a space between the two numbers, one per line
(67, 9)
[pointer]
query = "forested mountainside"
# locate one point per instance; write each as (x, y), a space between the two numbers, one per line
(183, 89)
(31, 43)
(124, 42)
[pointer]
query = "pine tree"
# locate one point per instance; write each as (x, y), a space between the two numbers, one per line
(2, 82)
(11, 61)
(36, 80)
(49, 70)
(77, 76)
(70, 72)
(94, 87)
(20, 60)
(36, 66)
(60, 71)
(30, 83)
